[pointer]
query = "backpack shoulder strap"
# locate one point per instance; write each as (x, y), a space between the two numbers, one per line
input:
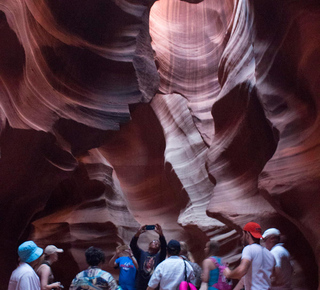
(185, 271)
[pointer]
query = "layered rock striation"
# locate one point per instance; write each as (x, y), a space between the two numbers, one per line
(197, 115)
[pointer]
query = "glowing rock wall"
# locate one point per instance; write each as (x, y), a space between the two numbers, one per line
(197, 115)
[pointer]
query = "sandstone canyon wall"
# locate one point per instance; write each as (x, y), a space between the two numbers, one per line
(197, 115)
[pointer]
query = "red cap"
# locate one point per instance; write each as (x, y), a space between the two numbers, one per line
(254, 229)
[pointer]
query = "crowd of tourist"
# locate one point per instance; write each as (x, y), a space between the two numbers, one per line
(164, 266)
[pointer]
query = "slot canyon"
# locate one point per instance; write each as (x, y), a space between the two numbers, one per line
(196, 115)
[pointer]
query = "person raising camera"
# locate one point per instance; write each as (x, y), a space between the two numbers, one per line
(148, 260)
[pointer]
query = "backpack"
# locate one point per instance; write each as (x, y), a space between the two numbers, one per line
(223, 283)
(186, 284)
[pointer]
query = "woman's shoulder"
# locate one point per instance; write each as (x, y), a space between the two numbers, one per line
(216, 260)
(210, 262)
(43, 267)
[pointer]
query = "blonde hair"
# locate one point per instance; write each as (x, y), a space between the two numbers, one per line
(122, 249)
(185, 251)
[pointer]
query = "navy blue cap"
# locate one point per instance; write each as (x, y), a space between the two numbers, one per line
(174, 245)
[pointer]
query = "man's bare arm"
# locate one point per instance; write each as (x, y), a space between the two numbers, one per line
(238, 272)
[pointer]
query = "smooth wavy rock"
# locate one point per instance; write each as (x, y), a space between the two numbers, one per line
(197, 115)
(63, 64)
(267, 115)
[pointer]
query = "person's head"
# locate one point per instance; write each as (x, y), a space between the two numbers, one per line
(94, 256)
(173, 248)
(154, 247)
(124, 250)
(51, 253)
(30, 253)
(184, 251)
(271, 237)
(251, 234)
(212, 248)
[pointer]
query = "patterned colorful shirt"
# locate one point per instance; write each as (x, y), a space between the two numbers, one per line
(93, 279)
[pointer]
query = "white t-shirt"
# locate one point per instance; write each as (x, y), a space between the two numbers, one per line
(170, 273)
(283, 262)
(261, 268)
(24, 278)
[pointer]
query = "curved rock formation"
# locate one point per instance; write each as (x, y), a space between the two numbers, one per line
(197, 115)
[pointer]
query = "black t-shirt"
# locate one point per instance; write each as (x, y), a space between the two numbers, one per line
(146, 261)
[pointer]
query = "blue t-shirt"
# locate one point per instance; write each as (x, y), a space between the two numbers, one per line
(127, 275)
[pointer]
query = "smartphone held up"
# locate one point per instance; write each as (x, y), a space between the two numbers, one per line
(150, 227)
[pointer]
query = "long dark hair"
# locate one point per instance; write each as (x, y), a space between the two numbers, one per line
(214, 248)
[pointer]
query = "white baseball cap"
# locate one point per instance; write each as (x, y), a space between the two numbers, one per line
(51, 249)
(271, 232)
